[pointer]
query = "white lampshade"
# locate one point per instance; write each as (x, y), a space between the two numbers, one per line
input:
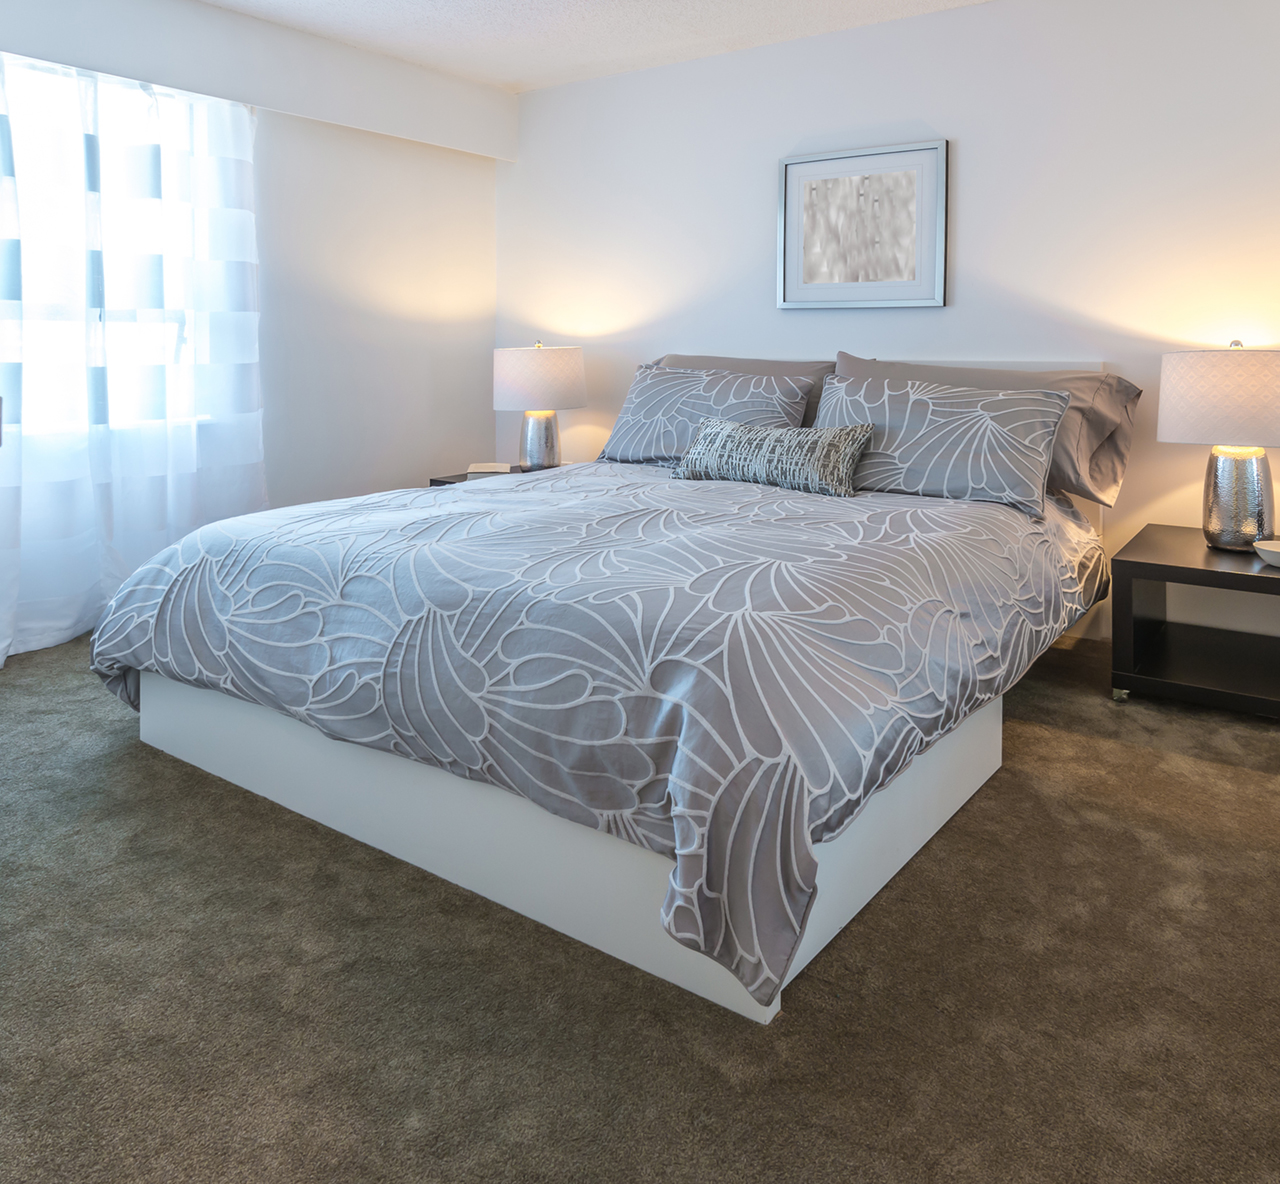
(1220, 396)
(539, 378)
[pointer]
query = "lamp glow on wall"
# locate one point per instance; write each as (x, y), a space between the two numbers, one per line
(539, 380)
(1230, 399)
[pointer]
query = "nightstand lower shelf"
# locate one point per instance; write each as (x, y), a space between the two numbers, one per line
(1213, 667)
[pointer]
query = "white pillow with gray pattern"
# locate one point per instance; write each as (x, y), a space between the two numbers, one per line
(664, 407)
(947, 441)
(811, 460)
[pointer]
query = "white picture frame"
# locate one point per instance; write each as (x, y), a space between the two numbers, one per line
(864, 228)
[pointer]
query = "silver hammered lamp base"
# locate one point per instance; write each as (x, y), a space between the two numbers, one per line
(539, 441)
(1239, 507)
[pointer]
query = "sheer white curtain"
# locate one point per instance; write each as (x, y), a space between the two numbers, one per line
(128, 335)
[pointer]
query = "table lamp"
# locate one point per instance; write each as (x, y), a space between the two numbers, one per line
(1229, 398)
(539, 380)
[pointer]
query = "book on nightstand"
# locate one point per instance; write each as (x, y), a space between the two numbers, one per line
(487, 468)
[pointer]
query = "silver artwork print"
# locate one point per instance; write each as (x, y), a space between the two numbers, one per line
(720, 672)
(864, 228)
(861, 229)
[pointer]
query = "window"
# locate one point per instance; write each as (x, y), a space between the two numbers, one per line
(128, 335)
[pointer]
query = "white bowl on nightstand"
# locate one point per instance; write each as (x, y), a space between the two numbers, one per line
(1268, 552)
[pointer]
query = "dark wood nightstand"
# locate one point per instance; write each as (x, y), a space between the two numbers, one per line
(1215, 667)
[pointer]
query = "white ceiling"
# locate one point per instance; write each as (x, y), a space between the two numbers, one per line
(526, 44)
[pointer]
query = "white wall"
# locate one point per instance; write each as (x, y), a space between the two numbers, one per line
(196, 47)
(1114, 193)
(377, 288)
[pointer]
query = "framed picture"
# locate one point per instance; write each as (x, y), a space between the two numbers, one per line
(866, 228)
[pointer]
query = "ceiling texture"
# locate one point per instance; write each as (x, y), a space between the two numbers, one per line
(522, 45)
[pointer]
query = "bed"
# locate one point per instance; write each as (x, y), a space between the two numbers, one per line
(633, 708)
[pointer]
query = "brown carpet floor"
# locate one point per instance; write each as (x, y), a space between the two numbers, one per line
(1077, 980)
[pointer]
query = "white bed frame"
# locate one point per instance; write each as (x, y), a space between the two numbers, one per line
(596, 888)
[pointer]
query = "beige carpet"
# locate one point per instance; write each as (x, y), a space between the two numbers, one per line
(1077, 980)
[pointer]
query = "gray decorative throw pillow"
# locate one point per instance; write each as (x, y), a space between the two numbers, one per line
(812, 460)
(946, 441)
(664, 407)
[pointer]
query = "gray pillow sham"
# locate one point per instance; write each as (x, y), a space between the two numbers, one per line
(812, 460)
(945, 441)
(770, 367)
(1093, 443)
(664, 407)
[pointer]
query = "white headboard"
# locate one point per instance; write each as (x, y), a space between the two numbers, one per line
(1006, 364)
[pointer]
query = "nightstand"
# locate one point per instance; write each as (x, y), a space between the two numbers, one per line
(1151, 654)
(458, 478)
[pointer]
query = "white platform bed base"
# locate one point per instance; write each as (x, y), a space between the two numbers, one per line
(584, 883)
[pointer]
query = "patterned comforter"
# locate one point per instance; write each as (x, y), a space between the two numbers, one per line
(720, 672)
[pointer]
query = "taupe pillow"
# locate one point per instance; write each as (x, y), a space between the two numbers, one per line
(812, 460)
(1092, 446)
(945, 441)
(663, 408)
(817, 371)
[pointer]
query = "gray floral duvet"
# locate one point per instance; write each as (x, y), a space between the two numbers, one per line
(720, 672)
